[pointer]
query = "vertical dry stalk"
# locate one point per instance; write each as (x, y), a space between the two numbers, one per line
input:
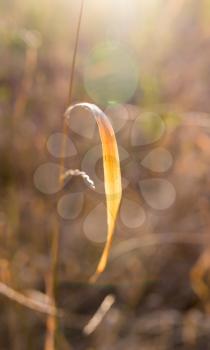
(52, 326)
(22, 98)
(71, 81)
(20, 105)
(51, 282)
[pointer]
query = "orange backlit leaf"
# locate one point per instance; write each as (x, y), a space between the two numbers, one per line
(112, 176)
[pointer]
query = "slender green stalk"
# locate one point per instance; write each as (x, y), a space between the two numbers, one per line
(52, 321)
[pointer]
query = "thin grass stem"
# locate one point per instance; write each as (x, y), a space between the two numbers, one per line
(52, 321)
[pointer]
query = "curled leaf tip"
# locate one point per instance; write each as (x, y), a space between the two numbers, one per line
(112, 176)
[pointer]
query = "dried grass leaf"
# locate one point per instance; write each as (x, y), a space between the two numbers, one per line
(112, 176)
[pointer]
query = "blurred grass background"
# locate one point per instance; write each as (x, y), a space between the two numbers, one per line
(147, 56)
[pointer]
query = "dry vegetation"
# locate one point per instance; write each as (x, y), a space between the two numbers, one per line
(146, 64)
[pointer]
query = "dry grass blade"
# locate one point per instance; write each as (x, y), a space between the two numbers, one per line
(99, 315)
(31, 303)
(112, 176)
